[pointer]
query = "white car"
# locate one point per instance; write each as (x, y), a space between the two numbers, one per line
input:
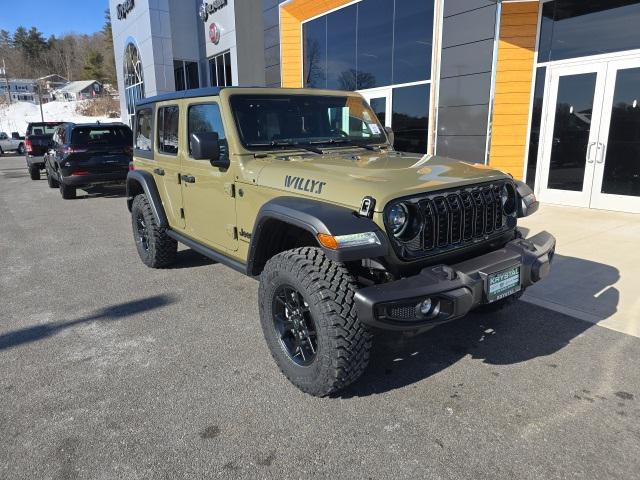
(8, 144)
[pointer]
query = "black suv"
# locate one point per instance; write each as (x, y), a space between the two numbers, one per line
(88, 154)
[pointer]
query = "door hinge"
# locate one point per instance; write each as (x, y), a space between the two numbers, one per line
(232, 231)
(179, 178)
(182, 213)
(230, 188)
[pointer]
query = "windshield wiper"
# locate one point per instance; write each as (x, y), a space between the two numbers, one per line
(350, 143)
(287, 143)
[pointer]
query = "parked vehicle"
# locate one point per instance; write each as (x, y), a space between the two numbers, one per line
(302, 189)
(37, 142)
(84, 155)
(13, 143)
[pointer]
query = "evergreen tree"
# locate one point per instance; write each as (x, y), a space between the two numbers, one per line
(93, 66)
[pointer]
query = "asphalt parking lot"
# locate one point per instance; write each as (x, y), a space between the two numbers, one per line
(111, 370)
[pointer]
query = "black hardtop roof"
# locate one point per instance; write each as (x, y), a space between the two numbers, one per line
(96, 125)
(193, 93)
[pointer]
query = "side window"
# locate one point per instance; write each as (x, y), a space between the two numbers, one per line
(168, 120)
(206, 118)
(143, 128)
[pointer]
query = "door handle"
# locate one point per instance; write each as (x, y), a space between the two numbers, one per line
(589, 148)
(600, 159)
(158, 171)
(188, 178)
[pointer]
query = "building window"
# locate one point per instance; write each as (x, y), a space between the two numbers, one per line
(571, 29)
(220, 70)
(373, 43)
(186, 75)
(133, 79)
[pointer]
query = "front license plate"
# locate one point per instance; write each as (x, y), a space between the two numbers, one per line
(502, 284)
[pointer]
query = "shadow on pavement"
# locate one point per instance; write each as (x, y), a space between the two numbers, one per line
(516, 334)
(190, 259)
(114, 312)
(104, 191)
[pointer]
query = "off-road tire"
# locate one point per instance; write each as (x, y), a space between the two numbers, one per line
(67, 192)
(34, 173)
(343, 343)
(500, 304)
(51, 181)
(162, 249)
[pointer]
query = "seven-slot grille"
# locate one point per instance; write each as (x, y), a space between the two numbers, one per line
(454, 219)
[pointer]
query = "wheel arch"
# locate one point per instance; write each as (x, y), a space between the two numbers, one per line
(283, 217)
(141, 182)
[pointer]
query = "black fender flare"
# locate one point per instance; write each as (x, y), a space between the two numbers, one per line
(150, 189)
(527, 202)
(317, 217)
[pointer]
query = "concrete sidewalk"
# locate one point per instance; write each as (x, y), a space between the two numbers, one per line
(596, 273)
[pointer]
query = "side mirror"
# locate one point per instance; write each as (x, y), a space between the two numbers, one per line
(206, 146)
(390, 135)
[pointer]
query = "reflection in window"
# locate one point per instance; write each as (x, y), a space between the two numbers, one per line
(220, 70)
(410, 117)
(341, 48)
(205, 119)
(622, 165)
(536, 118)
(315, 53)
(168, 130)
(413, 40)
(375, 42)
(574, 29)
(143, 129)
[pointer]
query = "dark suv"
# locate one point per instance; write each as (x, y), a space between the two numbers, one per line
(88, 154)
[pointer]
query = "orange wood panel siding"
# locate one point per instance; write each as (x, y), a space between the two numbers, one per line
(292, 15)
(518, 28)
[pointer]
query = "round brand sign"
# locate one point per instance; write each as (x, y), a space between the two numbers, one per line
(214, 33)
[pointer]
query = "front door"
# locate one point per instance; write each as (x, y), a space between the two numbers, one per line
(591, 136)
(208, 191)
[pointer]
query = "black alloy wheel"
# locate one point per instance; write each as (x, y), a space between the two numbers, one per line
(142, 232)
(295, 326)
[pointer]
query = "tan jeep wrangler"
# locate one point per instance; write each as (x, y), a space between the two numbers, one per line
(303, 190)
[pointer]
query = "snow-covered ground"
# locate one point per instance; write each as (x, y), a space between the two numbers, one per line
(16, 117)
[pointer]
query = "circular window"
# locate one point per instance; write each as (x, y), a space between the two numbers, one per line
(133, 79)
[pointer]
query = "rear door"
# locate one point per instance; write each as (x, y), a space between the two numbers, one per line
(167, 154)
(101, 149)
(208, 193)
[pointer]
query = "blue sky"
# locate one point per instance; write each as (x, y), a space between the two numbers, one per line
(53, 17)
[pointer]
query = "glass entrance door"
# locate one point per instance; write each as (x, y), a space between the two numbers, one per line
(591, 138)
(616, 184)
(571, 134)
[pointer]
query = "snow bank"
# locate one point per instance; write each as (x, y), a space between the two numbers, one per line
(16, 117)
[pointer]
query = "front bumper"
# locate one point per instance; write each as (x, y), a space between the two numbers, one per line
(457, 288)
(95, 178)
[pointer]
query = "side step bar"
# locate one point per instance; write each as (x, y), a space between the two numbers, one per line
(208, 252)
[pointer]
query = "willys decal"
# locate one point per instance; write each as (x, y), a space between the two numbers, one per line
(304, 184)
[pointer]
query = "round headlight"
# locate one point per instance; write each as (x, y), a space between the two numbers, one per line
(509, 203)
(398, 218)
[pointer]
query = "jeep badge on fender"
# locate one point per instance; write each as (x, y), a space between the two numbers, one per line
(404, 247)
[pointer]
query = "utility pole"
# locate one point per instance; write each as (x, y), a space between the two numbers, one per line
(6, 79)
(39, 100)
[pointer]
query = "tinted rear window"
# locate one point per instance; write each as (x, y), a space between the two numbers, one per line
(42, 128)
(101, 136)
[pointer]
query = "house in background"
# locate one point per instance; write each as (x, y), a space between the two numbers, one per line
(20, 89)
(82, 90)
(51, 83)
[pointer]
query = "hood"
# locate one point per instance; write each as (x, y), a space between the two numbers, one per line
(347, 178)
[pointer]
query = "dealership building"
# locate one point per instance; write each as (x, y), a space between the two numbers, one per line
(545, 90)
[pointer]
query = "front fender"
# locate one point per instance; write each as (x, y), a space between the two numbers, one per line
(318, 217)
(139, 181)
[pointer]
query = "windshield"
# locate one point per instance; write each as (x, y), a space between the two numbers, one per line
(42, 128)
(101, 136)
(268, 121)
